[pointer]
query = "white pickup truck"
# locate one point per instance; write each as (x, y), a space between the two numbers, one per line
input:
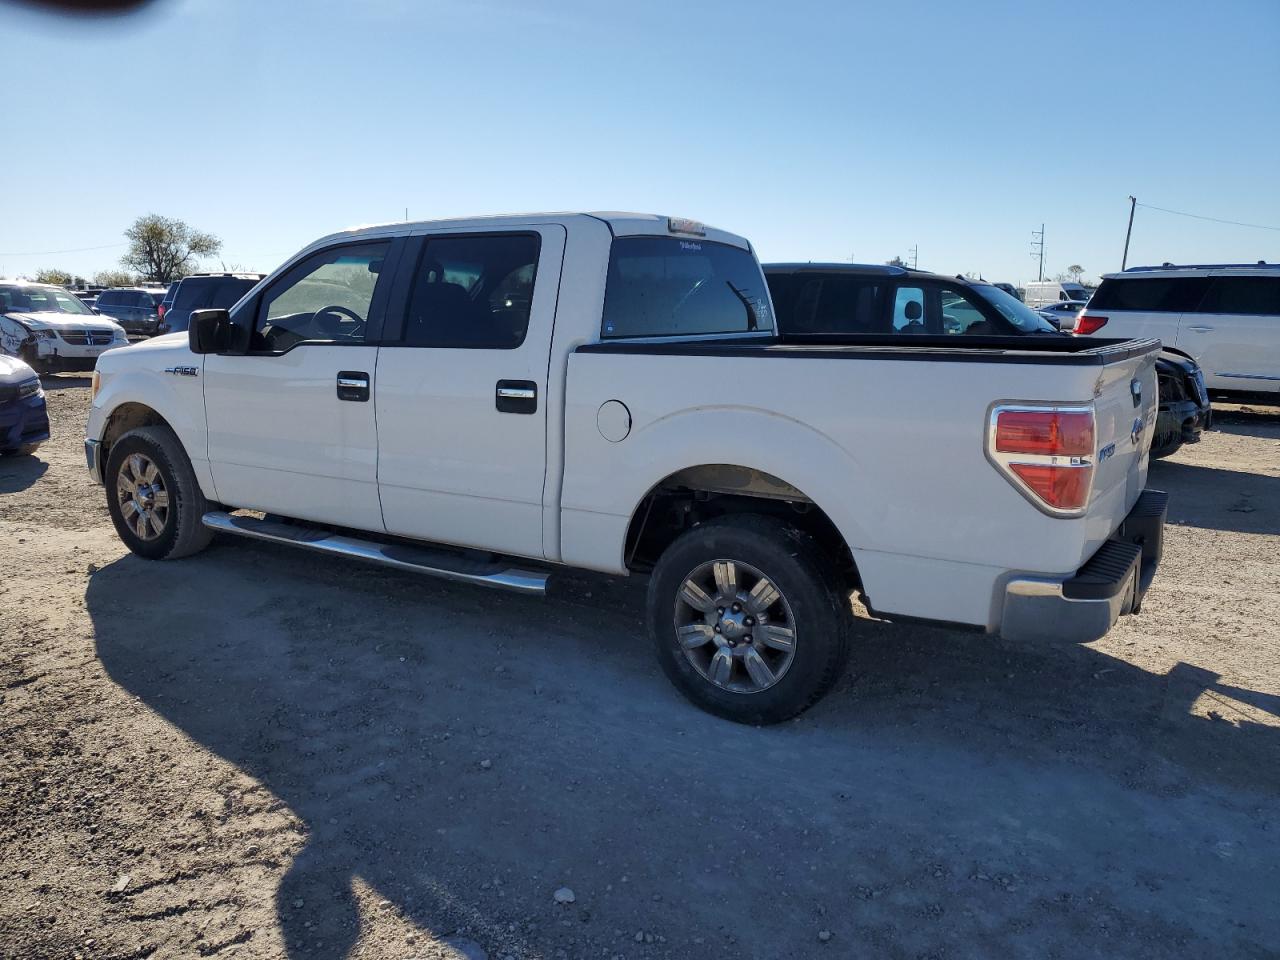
(489, 400)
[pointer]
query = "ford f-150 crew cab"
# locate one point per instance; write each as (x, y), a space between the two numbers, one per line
(490, 399)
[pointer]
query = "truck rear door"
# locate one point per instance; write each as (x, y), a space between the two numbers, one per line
(461, 386)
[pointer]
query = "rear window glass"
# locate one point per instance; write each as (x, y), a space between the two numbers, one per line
(668, 286)
(1150, 294)
(1258, 295)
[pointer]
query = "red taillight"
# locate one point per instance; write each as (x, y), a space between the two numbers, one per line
(1052, 433)
(1065, 488)
(1047, 453)
(1088, 323)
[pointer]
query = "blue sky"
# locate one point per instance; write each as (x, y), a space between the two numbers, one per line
(822, 131)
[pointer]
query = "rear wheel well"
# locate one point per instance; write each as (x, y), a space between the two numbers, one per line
(693, 496)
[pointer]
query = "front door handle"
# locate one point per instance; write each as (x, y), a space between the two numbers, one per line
(516, 396)
(353, 385)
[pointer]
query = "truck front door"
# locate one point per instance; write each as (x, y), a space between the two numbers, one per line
(291, 423)
(461, 397)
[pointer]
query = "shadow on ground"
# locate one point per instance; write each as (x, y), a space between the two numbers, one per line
(1198, 495)
(18, 473)
(954, 795)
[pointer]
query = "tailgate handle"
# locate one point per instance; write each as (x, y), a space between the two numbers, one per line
(516, 396)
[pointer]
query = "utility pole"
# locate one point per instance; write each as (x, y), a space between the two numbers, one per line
(915, 259)
(1124, 261)
(1037, 249)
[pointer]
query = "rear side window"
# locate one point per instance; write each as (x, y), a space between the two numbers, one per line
(1150, 294)
(832, 304)
(228, 290)
(1256, 295)
(666, 286)
(106, 299)
(194, 293)
(473, 292)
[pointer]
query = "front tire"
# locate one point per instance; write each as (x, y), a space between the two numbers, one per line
(749, 619)
(153, 497)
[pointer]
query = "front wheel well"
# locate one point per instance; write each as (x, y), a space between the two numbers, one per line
(693, 496)
(126, 417)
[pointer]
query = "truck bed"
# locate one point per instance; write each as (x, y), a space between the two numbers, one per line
(890, 447)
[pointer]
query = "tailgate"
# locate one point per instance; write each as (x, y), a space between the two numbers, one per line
(1126, 404)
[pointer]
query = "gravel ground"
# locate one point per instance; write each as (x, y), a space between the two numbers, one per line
(258, 753)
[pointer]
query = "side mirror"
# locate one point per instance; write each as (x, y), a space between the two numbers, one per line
(209, 330)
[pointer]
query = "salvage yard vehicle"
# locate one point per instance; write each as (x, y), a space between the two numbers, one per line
(847, 299)
(1226, 316)
(137, 309)
(24, 419)
(51, 329)
(489, 400)
(203, 290)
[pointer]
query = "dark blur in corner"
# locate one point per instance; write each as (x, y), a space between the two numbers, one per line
(81, 8)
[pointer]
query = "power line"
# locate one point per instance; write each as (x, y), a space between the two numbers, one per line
(1196, 216)
(50, 253)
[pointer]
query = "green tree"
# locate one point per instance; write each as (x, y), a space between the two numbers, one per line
(163, 249)
(1074, 273)
(53, 275)
(114, 278)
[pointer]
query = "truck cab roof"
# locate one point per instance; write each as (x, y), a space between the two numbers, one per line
(620, 224)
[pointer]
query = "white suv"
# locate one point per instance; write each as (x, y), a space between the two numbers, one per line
(1226, 316)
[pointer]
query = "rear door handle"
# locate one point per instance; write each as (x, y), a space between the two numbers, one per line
(1200, 329)
(516, 396)
(353, 385)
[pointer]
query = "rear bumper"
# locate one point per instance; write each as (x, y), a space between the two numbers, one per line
(1112, 583)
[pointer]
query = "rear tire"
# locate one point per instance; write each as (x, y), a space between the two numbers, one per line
(725, 642)
(153, 496)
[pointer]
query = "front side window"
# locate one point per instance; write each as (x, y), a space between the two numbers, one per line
(908, 310)
(1248, 295)
(473, 292)
(666, 286)
(1014, 310)
(326, 299)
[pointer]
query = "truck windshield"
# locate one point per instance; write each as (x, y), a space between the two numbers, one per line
(1013, 309)
(668, 286)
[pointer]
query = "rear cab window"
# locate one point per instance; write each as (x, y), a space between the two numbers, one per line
(670, 286)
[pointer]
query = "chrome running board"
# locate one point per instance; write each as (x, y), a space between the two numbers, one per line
(426, 560)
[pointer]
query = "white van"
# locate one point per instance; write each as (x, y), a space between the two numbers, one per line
(1040, 293)
(1227, 316)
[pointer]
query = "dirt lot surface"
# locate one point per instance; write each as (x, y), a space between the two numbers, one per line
(258, 753)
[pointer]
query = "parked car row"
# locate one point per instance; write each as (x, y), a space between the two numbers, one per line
(51, 330)
(1226, 316)
(492, 400)
(841, 299)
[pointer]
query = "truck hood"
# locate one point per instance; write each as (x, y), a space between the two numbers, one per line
(62, 321)
(170, 349)
(13, 370)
